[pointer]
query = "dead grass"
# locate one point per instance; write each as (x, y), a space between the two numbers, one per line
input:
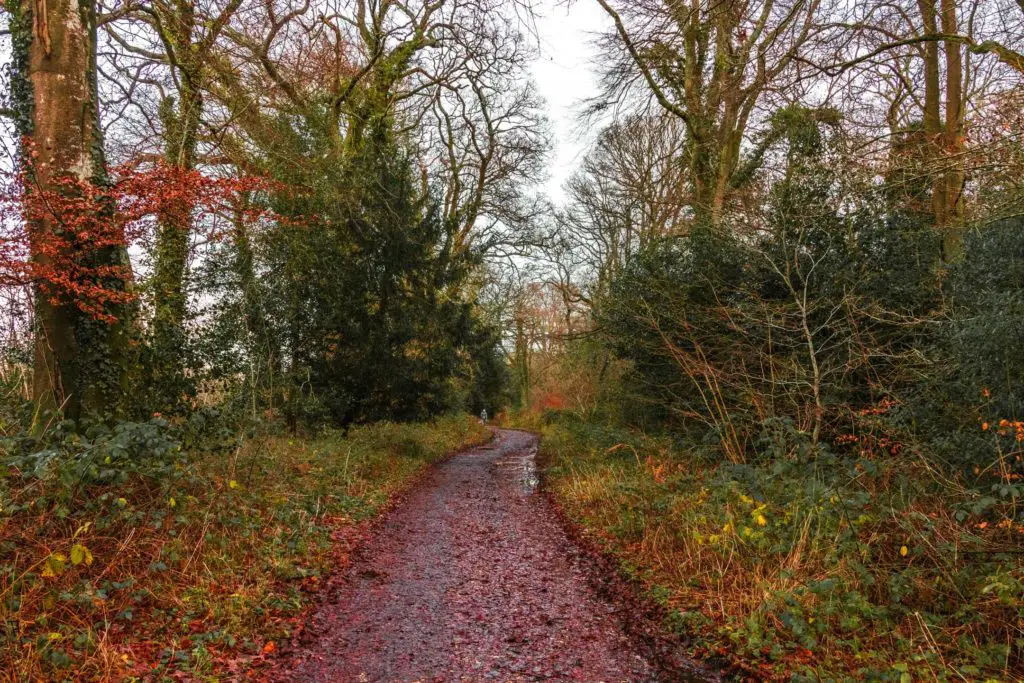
(813, 571)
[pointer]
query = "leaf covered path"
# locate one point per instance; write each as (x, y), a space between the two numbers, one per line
(471, 578)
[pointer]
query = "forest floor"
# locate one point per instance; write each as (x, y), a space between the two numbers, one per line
(190, 562)
(473, 577)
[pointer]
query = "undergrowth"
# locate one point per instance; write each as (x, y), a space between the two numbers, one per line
(158, 552)
(814, 563)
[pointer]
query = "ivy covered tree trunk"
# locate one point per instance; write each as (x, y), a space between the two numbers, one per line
(265, 346)
(188, 36)
(180, 119)
(80, 361)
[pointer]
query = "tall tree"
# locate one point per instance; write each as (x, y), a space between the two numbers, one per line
(711, 65)
(80, 356)
(180, 36)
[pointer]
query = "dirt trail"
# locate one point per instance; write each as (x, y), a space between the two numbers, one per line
(471, 578)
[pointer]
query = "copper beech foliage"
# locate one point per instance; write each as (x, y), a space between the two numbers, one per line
(92, 217)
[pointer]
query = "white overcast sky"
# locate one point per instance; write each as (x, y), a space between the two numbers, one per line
(564, 77)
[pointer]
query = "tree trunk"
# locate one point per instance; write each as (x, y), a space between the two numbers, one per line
(953, 143)
(932, 115)
(180, 119)
(79, 361)
(170, 296)
(704, 175)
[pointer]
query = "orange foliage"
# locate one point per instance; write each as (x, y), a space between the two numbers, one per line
(50, 238)
(551, 400)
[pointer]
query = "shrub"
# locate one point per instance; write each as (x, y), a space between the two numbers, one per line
(808, 563)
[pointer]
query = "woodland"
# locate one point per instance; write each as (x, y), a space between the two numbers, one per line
(262, 261)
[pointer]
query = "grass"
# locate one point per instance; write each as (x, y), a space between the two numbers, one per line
(199, 572)
(803, 568)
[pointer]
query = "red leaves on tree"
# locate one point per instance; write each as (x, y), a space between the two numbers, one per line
(60, 239)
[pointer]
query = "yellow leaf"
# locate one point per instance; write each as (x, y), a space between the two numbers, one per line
(54, 565)
(171, 502)
(233, 484)
(903, 551)
(55, 636)
(80, 554)
(761, 521)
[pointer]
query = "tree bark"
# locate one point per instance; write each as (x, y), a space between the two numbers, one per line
(953, 141)
(79, 364)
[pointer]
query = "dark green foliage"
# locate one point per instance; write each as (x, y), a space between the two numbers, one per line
(20, 98)
(822, 312)
(351, 305)
(979, 356)
(986, 334)
(481, 382)
(665, 303)
(90, 452)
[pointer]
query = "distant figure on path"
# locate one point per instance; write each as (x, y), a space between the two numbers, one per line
(483, 416)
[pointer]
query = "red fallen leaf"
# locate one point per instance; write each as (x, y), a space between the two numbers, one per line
(269, 647)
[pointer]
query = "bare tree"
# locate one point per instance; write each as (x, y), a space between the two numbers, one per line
(489, 140)
(632, 188)
(711, 65)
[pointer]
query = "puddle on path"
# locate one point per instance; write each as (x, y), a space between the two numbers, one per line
(523, 468)
(530, 478)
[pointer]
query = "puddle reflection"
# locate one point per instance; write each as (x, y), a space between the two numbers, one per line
(522, 468)
(529, 479)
